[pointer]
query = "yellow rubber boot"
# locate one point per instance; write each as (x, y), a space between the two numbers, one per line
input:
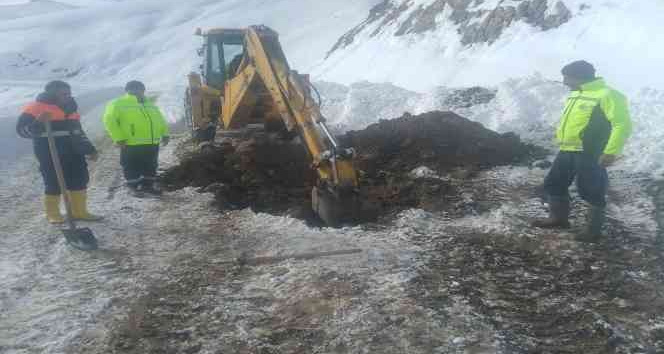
(52, 207)
(79, 206)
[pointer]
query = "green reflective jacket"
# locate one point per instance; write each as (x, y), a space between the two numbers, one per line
(596, 120)
(136, 123)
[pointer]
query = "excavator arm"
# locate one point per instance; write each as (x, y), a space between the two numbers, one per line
(263, 77)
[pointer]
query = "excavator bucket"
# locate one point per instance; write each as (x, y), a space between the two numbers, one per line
(335, 209)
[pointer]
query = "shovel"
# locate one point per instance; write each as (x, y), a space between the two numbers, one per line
(82, 238)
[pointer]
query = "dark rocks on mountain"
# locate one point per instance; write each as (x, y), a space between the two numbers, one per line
(475, 24)
(497, 20)
(464, 98)
(23, 61)
(390, 17)
(376, 13)
(534, 13)
(423, 19)
(490, 29)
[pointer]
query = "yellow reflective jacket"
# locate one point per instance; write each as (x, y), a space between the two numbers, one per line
(136, 123)
(595, 120)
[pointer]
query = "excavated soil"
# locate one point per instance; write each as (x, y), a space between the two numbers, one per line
(411, 161)
(421, 161)
(265, 173)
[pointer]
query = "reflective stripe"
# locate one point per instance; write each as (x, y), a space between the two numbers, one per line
(587, 98)
(142, 140)
(57, 133)
(570, 147)
(127, 107)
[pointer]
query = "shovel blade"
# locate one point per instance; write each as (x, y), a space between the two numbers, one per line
(82, 238)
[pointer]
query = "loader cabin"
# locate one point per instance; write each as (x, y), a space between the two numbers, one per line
(222, 52)
(225, 54)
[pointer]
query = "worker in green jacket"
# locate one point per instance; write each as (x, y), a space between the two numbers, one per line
(136, 125)
(592, 133)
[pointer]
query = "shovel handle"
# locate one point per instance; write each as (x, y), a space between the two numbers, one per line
(53, 150)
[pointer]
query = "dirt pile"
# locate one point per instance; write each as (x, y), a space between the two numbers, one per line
(265, 173)
(441, 141)
(406, 162)
(422, 161)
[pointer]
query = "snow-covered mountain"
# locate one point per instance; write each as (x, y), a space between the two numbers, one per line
(418, 44)
(101, 41)
(415, 44)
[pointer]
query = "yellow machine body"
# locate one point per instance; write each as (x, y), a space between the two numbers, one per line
(246, 79)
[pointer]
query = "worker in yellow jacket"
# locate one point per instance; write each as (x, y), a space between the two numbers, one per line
(593, 129)
(136, 125)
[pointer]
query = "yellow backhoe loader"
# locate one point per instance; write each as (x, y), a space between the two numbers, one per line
(245, 80)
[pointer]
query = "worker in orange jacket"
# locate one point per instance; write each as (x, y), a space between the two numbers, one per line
(58, 106)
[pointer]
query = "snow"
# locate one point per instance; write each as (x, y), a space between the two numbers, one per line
(112, 42)
(423, 172)
(107, 43)
(619, 37)
(13, 10)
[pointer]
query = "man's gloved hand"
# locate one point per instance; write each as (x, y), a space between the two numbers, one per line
(607, 160)
(165, 140)
(93, 157)
(121, 143)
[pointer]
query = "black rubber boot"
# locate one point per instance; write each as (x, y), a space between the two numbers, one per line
(151, 187)
(558, 214)
(136, 190)
(595, 221)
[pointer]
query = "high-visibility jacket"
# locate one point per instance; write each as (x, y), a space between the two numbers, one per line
(137, 123)
(595, 120)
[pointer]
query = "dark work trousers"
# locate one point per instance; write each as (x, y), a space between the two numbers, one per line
(139, 164)
(591, 179)
(74, 166)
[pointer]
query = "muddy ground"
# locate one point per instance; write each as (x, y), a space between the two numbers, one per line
(427, 283)
(408, 162)
(462, 273)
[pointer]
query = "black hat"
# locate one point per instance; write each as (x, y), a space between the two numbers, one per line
(580, 69)
(134, 86)
(56, 85)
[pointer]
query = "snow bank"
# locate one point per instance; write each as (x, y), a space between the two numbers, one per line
(530, 107)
